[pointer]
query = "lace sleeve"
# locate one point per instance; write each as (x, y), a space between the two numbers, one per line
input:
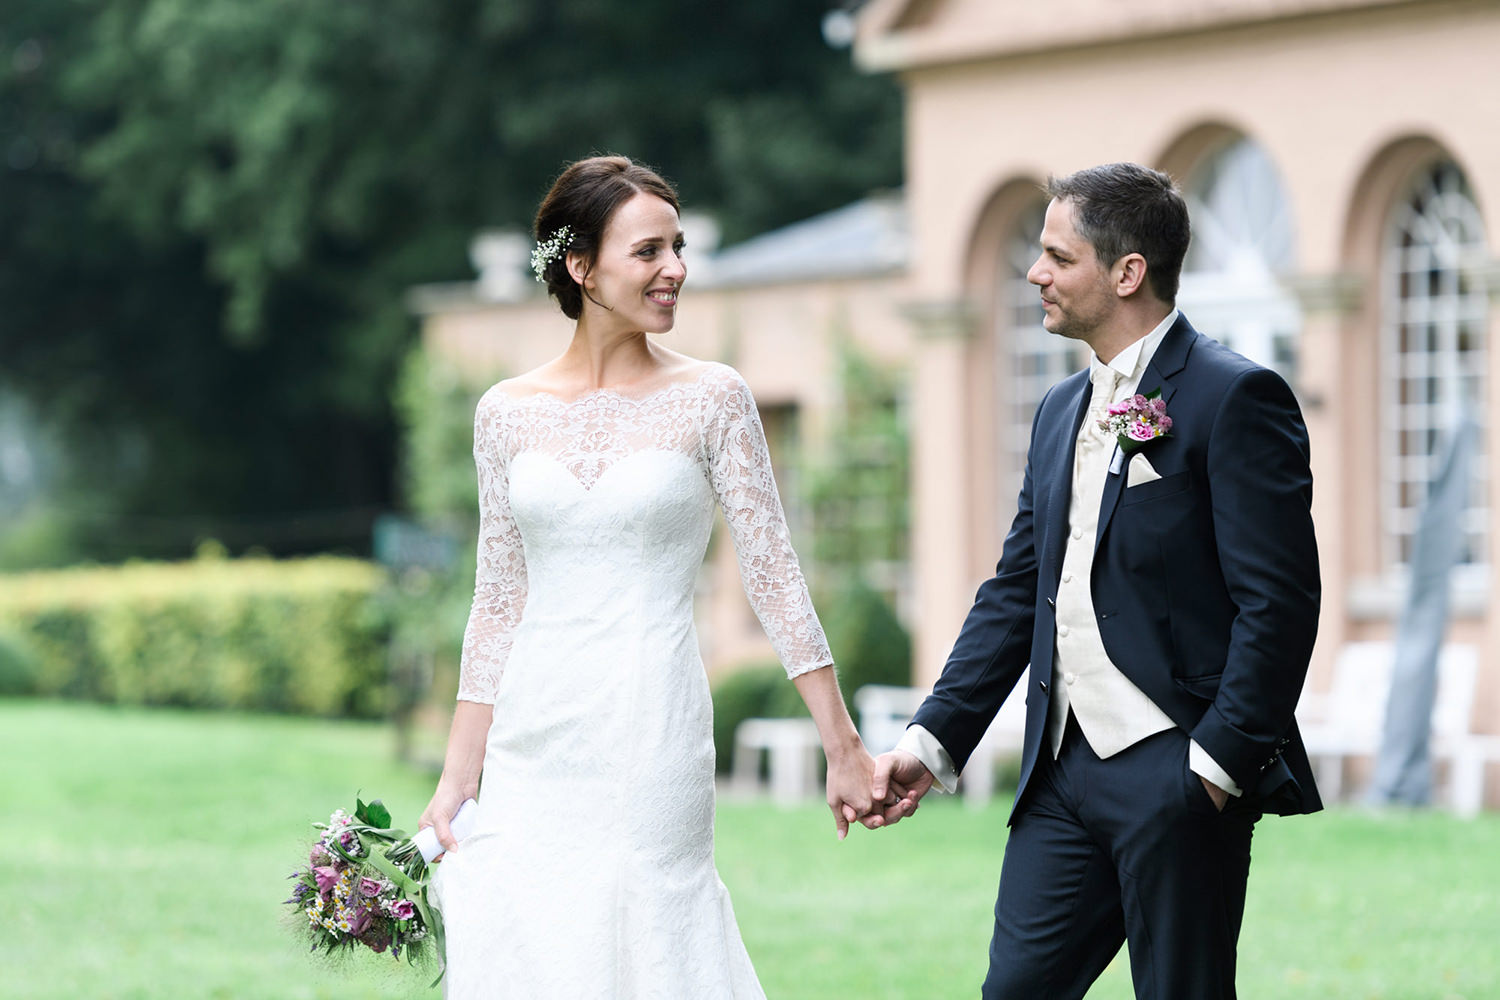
(740, 473)
(500, 581)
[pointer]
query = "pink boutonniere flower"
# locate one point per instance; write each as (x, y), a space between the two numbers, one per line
(1137, 421)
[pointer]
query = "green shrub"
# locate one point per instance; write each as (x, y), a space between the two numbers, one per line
(301, 636)
(37, 536)
(756, 691)
(868, 642)
(18, 670)
(869, 646)
(435, 403)
(428, 605)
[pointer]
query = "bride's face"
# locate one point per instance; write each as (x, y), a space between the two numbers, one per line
(639, 268)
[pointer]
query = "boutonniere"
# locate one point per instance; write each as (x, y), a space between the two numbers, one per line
(1137, 421)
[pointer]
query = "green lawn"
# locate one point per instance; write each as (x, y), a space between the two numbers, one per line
(149, 851)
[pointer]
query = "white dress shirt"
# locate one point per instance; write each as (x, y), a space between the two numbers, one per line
(1112, 712)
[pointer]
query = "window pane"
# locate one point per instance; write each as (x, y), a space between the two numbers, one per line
(1031, 360)
(1433, 362)
(1243, 243)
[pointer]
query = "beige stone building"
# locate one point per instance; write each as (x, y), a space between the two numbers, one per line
(1342, 159)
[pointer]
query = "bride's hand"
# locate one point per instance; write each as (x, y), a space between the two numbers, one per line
(444, 804)
(850, 777)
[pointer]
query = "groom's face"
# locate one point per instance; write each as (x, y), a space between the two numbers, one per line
(1078, 295)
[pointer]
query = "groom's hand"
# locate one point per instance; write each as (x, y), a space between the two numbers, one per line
(1219, 795)
(901, 773)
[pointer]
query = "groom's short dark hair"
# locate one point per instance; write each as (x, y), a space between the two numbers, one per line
(1123, 208)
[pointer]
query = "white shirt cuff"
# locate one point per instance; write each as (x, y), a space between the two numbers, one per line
(1201, 764)
(924, 746)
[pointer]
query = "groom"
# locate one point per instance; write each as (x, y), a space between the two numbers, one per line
(1162, 585)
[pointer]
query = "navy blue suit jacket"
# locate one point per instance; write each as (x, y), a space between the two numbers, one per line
(1204, 582)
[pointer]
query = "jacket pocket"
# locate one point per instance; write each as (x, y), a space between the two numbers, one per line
(1205, 687)
(1166, 486)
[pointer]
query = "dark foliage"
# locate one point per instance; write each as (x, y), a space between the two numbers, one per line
(211, 210)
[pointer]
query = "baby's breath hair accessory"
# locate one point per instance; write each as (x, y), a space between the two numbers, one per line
(549, 250)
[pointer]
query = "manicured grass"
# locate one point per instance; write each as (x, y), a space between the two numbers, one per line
(149, 849)
(1345, 904)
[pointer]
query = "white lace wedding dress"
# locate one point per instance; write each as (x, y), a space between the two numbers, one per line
(590, 873)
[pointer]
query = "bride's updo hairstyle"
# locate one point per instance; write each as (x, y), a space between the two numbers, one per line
(584, 198)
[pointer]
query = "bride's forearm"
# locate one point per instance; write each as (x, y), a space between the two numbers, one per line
(464, 759)
(820, 692)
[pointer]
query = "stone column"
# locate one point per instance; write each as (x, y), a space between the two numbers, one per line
(1334, 389)
(942, 464)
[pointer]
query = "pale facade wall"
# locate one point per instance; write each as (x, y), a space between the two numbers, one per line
(1347, 99)
(1323, 103)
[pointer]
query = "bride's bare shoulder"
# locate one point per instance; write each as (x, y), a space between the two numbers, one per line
(682, 368)
(535, 382)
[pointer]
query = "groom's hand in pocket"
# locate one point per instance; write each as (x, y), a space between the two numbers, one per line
(902, 777)
(1219, 795)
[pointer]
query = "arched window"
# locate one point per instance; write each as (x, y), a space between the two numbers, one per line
(1031, 360)
(1434, 317)
(1243, 242)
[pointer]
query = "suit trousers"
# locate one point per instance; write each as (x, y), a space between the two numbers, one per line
(1127, 849)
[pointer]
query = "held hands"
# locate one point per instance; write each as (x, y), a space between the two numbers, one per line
(859, 790)
(850, 778)
(899, 783)
(874, 792)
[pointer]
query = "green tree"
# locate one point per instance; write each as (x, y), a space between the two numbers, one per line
(859, 491)
(859, 495)
(213, 208)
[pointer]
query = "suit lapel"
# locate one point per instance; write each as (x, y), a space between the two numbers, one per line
(1170, 358)
(1060, 484)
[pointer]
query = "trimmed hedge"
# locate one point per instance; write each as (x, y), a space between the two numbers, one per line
(302, 636)
(751, 691)
(868, 642)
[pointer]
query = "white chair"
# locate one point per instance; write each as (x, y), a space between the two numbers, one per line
(796, 756)
(1349, 720)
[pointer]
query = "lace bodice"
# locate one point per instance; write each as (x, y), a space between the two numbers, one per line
(605, 502)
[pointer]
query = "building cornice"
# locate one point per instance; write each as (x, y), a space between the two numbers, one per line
(942, 319)
(918, 34)
(1340, 293)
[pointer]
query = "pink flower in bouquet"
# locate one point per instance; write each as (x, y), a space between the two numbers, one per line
(369, 887)
(360, 923)
(327, 877)
(319, 856)
(403, 909)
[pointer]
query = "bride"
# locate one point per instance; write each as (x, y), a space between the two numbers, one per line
(582, 698)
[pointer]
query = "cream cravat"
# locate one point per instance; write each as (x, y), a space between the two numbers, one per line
(1105, 382)
(1112, 712)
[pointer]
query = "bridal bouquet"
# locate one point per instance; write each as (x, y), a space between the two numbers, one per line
(365, 884)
